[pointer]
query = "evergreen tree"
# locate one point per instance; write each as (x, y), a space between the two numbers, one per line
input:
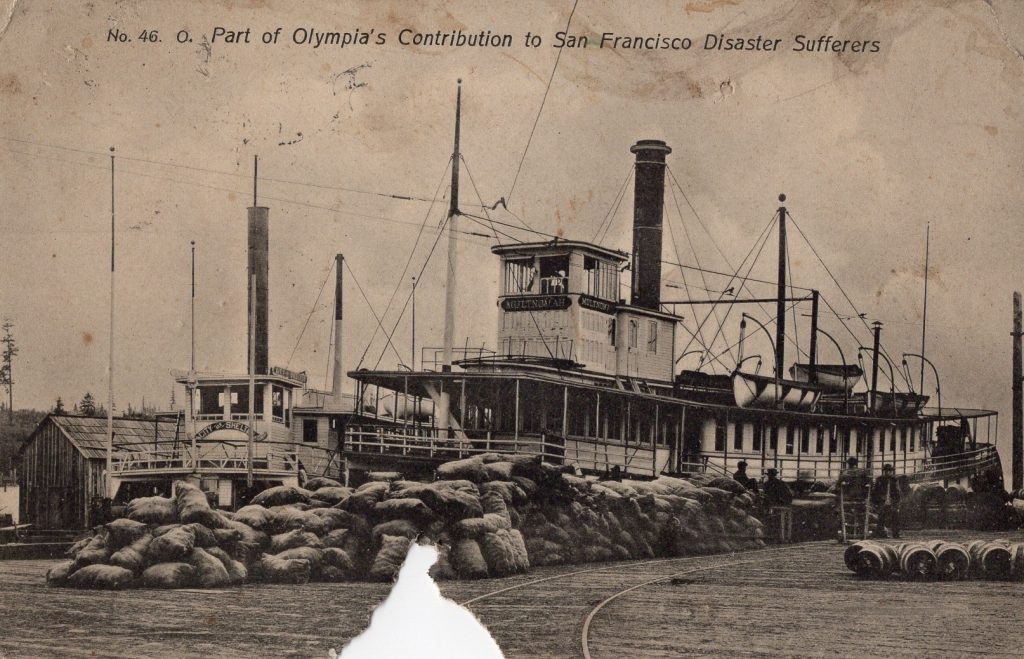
(88, 405)
(58, 408)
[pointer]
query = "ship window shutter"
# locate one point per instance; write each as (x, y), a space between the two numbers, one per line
(737, 437)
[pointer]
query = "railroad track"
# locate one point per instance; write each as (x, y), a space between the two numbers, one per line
(623, 577)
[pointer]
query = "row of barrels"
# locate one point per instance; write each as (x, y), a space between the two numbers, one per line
(996, 560)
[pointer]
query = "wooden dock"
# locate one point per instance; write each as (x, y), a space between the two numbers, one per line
(791, 601)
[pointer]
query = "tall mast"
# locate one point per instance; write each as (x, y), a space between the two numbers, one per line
(193, 323)
(110, 361)
(924, 313)
(1017, 438)
(780, 304)
(877, 329)
(252, 344)
(814, 337)
(453, 216)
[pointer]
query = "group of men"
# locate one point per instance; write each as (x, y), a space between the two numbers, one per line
(885, 493)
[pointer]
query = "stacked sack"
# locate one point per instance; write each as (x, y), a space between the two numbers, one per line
(489, 516)
(996, 560)
(183, 543)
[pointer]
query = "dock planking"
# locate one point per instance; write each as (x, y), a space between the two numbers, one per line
(793, 601)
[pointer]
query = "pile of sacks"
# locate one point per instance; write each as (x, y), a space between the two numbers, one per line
(489, 516)
(997, 560)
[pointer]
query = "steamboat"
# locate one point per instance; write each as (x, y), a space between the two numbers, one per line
(580, 375)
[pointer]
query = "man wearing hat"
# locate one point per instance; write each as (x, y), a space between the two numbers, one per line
(740, 476)
(885, 497)
(778, 498)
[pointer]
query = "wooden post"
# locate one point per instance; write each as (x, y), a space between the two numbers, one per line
(1017, 437)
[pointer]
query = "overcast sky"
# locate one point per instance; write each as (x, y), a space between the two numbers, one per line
(869, 148)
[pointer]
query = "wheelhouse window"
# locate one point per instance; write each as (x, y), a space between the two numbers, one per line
(519, 276)
(600, 279)
(240, 401)
(554, 274)
(211, 400)
(277, 403)
(652, 336)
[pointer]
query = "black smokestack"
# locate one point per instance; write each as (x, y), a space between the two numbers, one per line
(259, 265)
(648, 204)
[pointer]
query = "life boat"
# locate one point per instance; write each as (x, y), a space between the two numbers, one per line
(752, 390)
(832, 378)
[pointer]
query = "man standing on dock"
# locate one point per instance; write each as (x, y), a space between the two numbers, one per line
(778, 498)
(885, 497)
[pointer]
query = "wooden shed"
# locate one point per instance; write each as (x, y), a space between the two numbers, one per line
(62, 465)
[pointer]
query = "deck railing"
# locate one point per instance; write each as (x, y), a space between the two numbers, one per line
(918, 469)
(428, 444)
(223, 457)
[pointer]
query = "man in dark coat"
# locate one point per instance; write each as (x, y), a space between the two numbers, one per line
(885, 497)
(776, 493)
(740, 476)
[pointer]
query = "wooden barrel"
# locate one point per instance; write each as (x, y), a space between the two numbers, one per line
(953, 561)
(876, 561)
(850, 556)
(1017, 561)
(916, 561)
(992, 559)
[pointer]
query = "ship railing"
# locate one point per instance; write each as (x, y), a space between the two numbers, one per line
(432, 358)
(221, 456)
(587, 453)
(824, 468)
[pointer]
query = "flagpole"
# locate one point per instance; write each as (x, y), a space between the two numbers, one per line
(110, 362)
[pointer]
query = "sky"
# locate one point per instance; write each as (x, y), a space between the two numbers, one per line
(870, 149)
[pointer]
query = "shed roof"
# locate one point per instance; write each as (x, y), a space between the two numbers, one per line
(89, 434)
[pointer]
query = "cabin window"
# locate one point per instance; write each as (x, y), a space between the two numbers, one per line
(737, 437)
(309, 431)
(719, 435)
(860, 445)
(833, 439)
(240, 401)
(758, 437)
(903, 439)
(554, 274)
(611, 331)
(805, 439)
(601, 279)
(881, 440)
(277, 404)
(652, 336)
(633, 331)
(819, 444)
(892, 439)
(211, 401)
(519, 276)
(773, 439)
(789, 440)
(913, 435)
